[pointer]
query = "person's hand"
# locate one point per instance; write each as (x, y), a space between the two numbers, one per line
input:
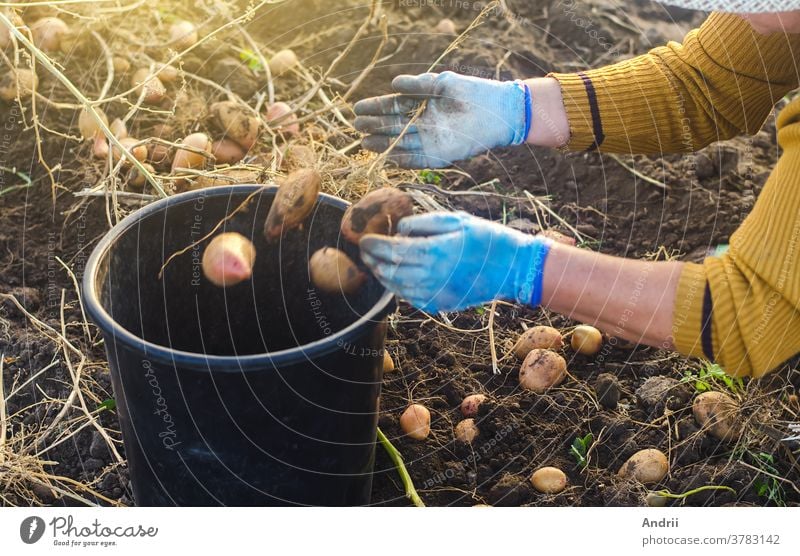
(464, 116)
(448, 261)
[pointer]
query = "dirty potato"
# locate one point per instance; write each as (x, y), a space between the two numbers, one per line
(377, 213)
(293, 202)
(541, 370)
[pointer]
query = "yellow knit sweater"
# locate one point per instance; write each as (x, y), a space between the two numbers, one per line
(742, 309)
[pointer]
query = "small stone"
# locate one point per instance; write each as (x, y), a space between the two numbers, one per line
(45, 494)
(661, 392)
(98, 447)
(92, 464)
(703, 166)
(607, 388)
(726, 159)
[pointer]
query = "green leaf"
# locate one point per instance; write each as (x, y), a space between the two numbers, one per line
(431, 177)
(109, 404)
(251, 59)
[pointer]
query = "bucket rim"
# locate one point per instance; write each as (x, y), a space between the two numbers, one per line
(199, 361)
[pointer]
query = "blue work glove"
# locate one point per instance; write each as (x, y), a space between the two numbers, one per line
(448, 261)
(464, 116)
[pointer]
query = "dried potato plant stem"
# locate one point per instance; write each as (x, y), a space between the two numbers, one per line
(381, 158)
(3, 417)
(85, 102)
(492, 348)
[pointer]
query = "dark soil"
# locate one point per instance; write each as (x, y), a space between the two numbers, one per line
(705, 198)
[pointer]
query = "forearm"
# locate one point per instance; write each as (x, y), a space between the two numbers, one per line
(549, 125)
(627, 298)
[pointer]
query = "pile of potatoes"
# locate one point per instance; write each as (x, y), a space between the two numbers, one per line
(223, 133)
(542, 367)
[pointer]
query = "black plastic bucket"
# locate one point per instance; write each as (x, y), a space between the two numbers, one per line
(264, 393)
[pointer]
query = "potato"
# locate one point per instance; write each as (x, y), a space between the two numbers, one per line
(159, 155)
(136, 179)
(656, 500)
(537, 337)
(586, 339)
(88, 126)
(541, 370)
(293, 202)
(298, 156)
(549, 480)
(100, 147)
(287, 127)
(139, 152)
(236, 122)
(415, 422)
(471, 404)
(718, 414)
(185, 159)
(228, 259)
(377, 212)
(226, 151)
(182, 35)
(118, 129)
(47, 33)
(22, 81)
(168, 74)
(388, 362)
(332, 271)
(446, 26)
(282, 62)
(149, 85)
(121, 65)
(467, 431)
(647, 466)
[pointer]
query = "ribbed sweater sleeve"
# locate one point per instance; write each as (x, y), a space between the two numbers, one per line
(743, 309)
(721, 81)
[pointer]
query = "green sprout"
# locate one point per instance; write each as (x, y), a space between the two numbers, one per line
(580, 449)
(430, 177)
(250, 59)
(768, 486)
(713, 375)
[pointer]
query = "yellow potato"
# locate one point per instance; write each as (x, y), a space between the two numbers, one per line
(139, 152)
(586, 339)
(136, 179)
(186, 159)
(388, 363)
(282, 62)
(182, 35)
(47, 33)
(648, 466)
(228, 259)
(293, 202)
(20, 81)
(377, 212)
(549, 480)
(467, 431)
(446, 26)
(538, 337)
(236, 122)
(718, 414)
(541, 370)
(415, 422)
(152, 87)
(332, 271)
(88, 126)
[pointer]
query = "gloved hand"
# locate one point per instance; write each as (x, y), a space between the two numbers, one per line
(448, 261)
(464, 116)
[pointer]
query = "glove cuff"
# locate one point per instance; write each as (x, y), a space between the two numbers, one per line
(521, 131)
(530, 289)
